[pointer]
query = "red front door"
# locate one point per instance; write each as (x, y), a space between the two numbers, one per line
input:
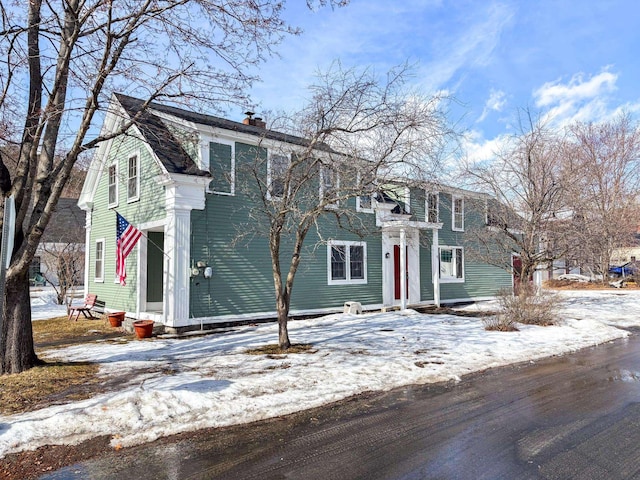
(517, 273)
(396, 271)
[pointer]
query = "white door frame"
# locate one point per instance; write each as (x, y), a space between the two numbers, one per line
(391, 237)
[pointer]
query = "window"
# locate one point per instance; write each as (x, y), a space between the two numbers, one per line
(432, 207)
(113, 185)
(133, 180)
(99, 264)
(34, 267)
(458, 214)
(276, 173)
(329, 183)
(451, 264)
(347, 263)
(364, 202)
(222, 167)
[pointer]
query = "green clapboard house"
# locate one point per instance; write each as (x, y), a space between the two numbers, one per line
(177, 177)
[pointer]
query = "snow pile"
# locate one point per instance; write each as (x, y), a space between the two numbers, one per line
(172, 386)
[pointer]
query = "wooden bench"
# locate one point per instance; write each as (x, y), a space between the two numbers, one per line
(89, 305)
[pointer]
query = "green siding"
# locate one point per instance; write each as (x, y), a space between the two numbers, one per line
(480, 279)
(149, 207)
(242, 279)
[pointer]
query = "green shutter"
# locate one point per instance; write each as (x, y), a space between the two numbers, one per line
(220, 166)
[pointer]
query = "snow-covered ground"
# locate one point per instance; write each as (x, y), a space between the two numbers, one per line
(188, 384)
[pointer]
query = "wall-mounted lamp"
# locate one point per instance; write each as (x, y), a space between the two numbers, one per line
(386, 255)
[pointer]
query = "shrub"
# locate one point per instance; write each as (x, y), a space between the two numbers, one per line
(528, 306)
(499, 323)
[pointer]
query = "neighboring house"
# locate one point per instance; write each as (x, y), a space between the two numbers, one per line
(62, 244)
(176, 177)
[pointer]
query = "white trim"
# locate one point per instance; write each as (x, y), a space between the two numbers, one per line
(391, 237)
(453, 213)
(347, 280)
(450, 279)
(114, 204)
(136, 197)
(360, 209)
(95, 243)
(87, 249)
(205, 152)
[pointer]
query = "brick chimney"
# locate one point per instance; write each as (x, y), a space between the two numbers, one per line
(256, 122)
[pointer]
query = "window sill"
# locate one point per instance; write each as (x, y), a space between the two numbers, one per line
(347, 282)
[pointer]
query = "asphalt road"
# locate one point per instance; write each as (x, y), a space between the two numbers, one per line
(570, 417)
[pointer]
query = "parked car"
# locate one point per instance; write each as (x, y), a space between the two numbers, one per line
(627, 270)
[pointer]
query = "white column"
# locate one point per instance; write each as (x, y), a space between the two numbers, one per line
(403, 270)
(435, 268)
(178, 248)
(87, 249)
(183, 194)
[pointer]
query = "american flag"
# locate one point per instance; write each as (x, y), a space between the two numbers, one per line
(126, 238)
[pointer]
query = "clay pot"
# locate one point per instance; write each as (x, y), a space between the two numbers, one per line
(143, 328)
(116, 318)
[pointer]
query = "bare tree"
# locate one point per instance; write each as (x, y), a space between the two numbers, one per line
(64, 265)
(605, 194)
(65, 58)
(527, 213)
(357, 134)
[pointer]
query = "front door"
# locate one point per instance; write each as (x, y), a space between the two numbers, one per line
(155, 270)
(516, 262)
(396, 272)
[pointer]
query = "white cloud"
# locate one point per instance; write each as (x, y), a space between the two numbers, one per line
(496, 102)
(576, 90)
(472, 47)
(583, 98)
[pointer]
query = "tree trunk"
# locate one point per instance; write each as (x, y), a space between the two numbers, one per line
(18, 353)
(283, 330)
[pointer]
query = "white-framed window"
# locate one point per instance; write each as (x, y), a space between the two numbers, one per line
(432, 206)
(222, 165)
(99, 261)
(113, 184)
(346, 263)
(277, 166)
(364, 203)
(133, 178)
(451, 264)
(457, 214)
(329, 184)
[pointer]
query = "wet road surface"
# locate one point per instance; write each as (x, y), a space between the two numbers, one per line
(570, 417)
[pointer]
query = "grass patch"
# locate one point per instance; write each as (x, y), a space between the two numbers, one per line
(274, 349)
(61, 331)
(47, 384)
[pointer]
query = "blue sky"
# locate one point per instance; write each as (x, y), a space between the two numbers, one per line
(575, 60)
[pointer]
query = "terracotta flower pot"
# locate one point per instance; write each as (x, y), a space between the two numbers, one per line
(116, 318)
(143, 328)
